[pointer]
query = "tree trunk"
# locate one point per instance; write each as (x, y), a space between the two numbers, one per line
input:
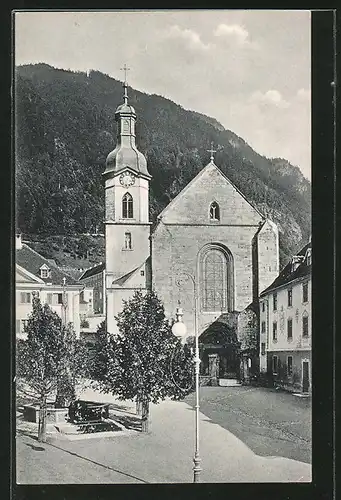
(145, 415)
(138, 407)
(65, 391)
(42, 420)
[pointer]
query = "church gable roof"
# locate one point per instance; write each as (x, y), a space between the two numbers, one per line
(192, 204)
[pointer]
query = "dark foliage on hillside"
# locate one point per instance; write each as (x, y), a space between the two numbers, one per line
(65, 128)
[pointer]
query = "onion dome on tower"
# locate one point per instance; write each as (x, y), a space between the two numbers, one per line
(126, 155)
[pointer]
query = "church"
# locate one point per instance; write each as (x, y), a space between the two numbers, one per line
(211, 252)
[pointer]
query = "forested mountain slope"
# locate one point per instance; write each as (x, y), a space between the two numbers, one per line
(65, 128)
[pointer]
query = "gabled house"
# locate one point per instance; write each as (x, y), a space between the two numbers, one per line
(285, 325)
(40, 276)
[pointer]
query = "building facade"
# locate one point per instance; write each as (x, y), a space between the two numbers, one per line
(211, 250)
(285, 325)
(38, 276)
(93, 279)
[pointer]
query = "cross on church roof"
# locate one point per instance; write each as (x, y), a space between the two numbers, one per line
(212, 151)
(125, 84)
(125, 69)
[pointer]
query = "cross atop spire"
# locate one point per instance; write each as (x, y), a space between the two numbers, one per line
(125, 84)
(212, 151)
(125, 69)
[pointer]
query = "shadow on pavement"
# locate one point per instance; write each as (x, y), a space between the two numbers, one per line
(35, 448)
(98, 463)
(129, 422)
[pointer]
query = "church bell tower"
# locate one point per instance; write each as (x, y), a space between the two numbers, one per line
(127, 226)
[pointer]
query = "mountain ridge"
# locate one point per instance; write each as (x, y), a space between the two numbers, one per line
(65, 128)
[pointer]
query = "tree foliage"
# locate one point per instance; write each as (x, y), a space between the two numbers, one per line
(145, 360)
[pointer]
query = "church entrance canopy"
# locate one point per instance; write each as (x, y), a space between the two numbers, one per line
(220, 338)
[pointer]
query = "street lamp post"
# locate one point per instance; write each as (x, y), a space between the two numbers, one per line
(179, 333)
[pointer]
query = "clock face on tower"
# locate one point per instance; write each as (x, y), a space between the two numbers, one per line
(127, 179)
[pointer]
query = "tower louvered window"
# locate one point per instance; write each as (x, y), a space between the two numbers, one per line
(127, 206)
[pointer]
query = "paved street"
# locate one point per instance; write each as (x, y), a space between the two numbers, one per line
(162, 456)
(271, 423)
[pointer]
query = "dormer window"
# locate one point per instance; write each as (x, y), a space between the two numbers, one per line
(44, 271)
(296, 262)
(214, 211)
(127, 206)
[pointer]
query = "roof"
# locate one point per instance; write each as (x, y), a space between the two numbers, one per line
(125, 277)
(287, 275)
(32, 261)
(92, 271)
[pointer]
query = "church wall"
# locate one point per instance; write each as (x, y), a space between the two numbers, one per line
(120, 261)
(175, 249)
(268, 255)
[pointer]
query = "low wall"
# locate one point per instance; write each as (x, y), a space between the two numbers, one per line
(53, 415)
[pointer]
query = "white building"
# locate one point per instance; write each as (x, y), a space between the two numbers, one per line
(285, 325)
(37, 275)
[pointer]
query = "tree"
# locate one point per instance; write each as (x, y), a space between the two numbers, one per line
(146, 361)
(73, 367)
(101, 354)
(44, 357)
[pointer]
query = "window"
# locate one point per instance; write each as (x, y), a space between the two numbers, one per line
(289, 366)
(274, 301)
(214, 211)
(25, 297)
(274, 331)
(263, 327)
(305, 292)
(263, 306)
(290, 297)
(142, 272)
(289, 329)
(214, 281)
(127, 241)
(274, 364)
(127, 206)
(17, 325)
(49, 298)
(305, 323)
(44, 272)
(262, 348)
(24, 323)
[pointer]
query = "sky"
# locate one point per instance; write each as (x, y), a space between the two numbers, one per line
(249, 69)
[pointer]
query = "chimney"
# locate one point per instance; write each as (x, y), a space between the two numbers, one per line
(295, 262)
(18, 242)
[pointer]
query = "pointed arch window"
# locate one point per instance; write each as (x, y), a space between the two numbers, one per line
(214, 211)
(127, 206)
(214, 281)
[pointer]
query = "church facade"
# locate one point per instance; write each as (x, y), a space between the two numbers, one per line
(211, 251)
